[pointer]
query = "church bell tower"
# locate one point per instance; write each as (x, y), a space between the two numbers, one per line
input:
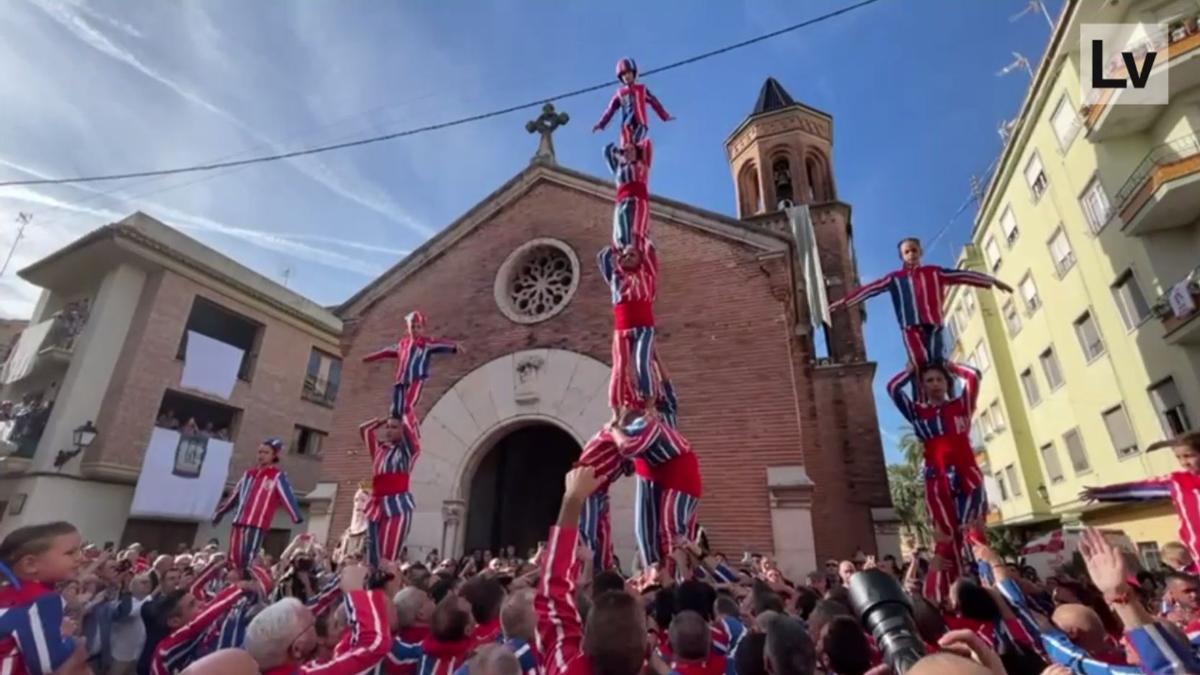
(781, 152)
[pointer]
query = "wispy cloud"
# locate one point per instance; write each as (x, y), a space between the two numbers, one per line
(78, 25)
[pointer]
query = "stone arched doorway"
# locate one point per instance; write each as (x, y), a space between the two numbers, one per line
(533, 388)
(516, 488)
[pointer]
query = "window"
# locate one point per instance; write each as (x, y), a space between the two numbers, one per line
(323, 377)
(1120, 431)
(969, 302)
(210, 319)
(951, 330)
(985, 423)
(997, 415)
(1065, 122)
(1054, 471)
(992, 250)
(1094, 202)
(1008, 225)
(179, 412)
(982, 358)
(1051, 369)
(1149, 555)
(1130, 301)
(1003, 487)
(1060, 251)
(970, 360)
(1011, 318)
(1029, 384)
(1014, 481)
(1075, 452)
(1089, 336)
(1171, 411)
(1036, 177)
(307, 442)
(1029, 293)
(976, 435)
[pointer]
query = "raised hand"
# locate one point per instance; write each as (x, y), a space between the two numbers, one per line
(581, 482)
(1105, 564)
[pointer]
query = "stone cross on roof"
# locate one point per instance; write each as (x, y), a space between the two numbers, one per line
(546, 124)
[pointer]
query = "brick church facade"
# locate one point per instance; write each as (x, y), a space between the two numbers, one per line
(788, 442)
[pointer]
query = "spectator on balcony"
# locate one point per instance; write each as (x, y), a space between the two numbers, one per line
(167, 420)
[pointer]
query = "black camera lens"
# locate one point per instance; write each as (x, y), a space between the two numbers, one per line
(885, 610)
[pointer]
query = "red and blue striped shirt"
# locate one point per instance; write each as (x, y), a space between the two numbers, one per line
(412, 354)
(917, 292)
(261, 490)
(31, 639)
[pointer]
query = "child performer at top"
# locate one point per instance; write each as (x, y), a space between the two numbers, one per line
(412, 353)
(917, 293)
(1181, 487)
(954, 490)
(631, 98)
(32, 560)
(261, 490)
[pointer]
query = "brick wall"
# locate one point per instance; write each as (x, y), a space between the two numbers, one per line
(270, 403)
(724, 335)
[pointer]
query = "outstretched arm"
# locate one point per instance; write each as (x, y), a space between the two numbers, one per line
(366, 612)
(658, 107)
(436, 346)
(613, 105)
(863, 293)
(385, 353)
(953, 277)
(37, 629)
(1134, 491)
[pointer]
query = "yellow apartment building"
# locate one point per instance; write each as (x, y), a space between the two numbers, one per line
(1092, 216)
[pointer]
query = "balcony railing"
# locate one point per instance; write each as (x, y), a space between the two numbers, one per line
(1163, 163)
(319, 390)
(22, 426)
(1180, 304)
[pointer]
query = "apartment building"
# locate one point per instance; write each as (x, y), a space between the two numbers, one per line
(1092, 216)
(102, 371)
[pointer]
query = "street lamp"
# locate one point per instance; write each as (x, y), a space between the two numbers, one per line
(83, 437)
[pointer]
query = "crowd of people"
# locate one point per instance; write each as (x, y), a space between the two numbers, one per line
(70, 607)
(167, 419)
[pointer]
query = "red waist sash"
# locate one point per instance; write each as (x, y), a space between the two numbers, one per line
(634, 314)
(387, 484)
(635, 188)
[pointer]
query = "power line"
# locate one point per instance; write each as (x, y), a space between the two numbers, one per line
(440, 125)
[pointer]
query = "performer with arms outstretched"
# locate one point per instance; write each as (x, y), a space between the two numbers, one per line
(631, 99)
(254, 500)
(412, 354)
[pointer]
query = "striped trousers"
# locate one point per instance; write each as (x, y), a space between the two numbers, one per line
(405, 396)
(245, 542)
(631, 222)
(387, 530)
(661, 517)
(957, 503)
(632, 383)
(925, 344)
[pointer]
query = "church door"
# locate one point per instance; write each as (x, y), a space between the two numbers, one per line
(517, 489)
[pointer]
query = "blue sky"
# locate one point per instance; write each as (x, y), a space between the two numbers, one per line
(94, 86)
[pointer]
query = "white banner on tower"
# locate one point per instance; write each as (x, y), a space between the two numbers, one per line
(810, 264)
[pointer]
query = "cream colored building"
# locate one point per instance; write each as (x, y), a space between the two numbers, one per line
(1092, 217)
(106, 346)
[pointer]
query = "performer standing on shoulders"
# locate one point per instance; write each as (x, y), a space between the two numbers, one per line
(261, 490)
(954, 490)
(394, 448)
(412, 354)
(917, 292)
(631, 99)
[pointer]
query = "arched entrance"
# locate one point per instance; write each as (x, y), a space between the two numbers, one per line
(517, 488)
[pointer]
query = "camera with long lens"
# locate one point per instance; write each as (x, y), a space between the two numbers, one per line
(885, 610)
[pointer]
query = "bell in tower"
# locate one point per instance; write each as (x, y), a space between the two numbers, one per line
(781, 153)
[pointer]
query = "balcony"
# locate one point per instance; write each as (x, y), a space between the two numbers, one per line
(1163, 190)
(1179, 311)
(45, 344)
(1105, 120)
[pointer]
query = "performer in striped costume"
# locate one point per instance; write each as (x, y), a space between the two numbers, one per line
(32, 560)
(917, 293)
(631, 167)
(394, 447)
(631, 99)
(412, 354)
(1181, 487)
(632, 277)
(954, 490)
(254, 500)
(190, 623)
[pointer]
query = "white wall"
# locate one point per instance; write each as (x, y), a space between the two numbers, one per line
(99, 510)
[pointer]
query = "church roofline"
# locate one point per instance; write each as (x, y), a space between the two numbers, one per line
(660, 207)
